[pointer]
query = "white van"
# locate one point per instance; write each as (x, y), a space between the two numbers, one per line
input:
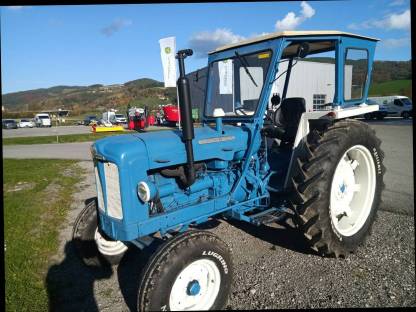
(396, 105)
(43, 120)
(118, 119)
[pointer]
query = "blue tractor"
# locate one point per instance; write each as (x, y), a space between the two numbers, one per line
(258, 157)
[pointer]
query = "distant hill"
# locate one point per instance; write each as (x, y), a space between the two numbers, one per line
(79, 99)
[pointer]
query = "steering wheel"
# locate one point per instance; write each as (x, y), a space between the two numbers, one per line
(240, 109)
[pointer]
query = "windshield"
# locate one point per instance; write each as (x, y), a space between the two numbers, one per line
(406, 101)
(24, 120)
(43, 117)
(236, 84)
(119, 116)
(8, 121)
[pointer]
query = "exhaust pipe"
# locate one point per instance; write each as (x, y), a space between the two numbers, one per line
(186, 116)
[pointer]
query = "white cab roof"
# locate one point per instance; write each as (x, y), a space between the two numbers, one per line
(292, 33)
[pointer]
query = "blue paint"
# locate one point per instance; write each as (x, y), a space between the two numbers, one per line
(238, 167)
(193, 288)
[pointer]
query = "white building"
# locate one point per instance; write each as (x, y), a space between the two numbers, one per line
(313, 81)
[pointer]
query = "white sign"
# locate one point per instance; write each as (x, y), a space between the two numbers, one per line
(167, 53)
(225, 71)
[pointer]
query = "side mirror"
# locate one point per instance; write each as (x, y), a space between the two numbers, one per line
(303, 50)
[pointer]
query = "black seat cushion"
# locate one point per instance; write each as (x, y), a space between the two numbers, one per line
(291, 110)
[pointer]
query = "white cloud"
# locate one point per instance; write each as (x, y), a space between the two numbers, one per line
(115, 26)
(291, 21)
(398, 21)
(392, 21)
(206, 41)
(393, 43)
(16, 7)
(307, 10)
(397, 3)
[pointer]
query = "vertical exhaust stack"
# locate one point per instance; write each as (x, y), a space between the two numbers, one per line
(186, 115)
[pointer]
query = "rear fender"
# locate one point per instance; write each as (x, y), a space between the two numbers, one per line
(319, 120)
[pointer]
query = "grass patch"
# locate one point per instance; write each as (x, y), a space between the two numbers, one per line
(394, 87)
(67, 138)
(37, 196)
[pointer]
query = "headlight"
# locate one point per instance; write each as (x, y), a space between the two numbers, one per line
(146, 191)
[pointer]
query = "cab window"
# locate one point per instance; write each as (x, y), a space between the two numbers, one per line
(355, 73)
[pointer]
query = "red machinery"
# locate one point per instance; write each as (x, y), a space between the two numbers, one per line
(171, 114)
(138, 119)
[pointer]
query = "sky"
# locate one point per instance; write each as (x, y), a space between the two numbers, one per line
(45, 46)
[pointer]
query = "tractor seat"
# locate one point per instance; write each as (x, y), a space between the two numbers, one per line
(286, 120)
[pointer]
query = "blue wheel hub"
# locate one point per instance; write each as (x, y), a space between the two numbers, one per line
(342, 188)
(193, 288)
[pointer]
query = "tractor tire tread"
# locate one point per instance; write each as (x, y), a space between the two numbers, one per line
(309, 183)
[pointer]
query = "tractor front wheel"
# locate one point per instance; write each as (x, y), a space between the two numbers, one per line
(191, 271)
(94, 247)
(337, 186)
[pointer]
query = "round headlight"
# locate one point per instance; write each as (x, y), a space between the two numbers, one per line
(146, 191)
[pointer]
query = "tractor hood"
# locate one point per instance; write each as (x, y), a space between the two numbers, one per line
(166, 148)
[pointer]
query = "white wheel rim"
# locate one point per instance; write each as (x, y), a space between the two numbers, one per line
(196, 287)
(352, 190)
(109, 247)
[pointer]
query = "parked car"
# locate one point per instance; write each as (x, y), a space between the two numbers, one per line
(9, 124)
(43, 120)
(88, 120)
(26, 123)
(396, 105)
(118, 119)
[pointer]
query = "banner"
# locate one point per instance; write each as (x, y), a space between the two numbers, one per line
(167, 53)
(225, 70)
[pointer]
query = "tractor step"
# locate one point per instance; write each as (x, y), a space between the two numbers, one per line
(268, 216)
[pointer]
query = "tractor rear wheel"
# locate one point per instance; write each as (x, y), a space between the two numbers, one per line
(337, 186)
(191, 271)
(94, 247)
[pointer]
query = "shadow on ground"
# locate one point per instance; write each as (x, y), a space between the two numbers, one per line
(70, 284)
(285, 237)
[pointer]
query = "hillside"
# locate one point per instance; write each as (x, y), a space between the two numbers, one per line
(80, 99)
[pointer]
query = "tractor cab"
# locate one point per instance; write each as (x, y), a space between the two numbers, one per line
(243, 77)
(283, 82)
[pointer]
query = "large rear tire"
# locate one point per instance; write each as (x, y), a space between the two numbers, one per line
(337, 186)
(191, 271)
(89, 240)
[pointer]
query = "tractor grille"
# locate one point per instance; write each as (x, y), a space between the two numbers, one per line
(111, 194)
(99, 190)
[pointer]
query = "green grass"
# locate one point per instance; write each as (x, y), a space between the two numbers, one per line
(394, 87)
(32, 219)
(67, 138)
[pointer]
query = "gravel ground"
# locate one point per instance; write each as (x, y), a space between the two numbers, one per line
(273, 266)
